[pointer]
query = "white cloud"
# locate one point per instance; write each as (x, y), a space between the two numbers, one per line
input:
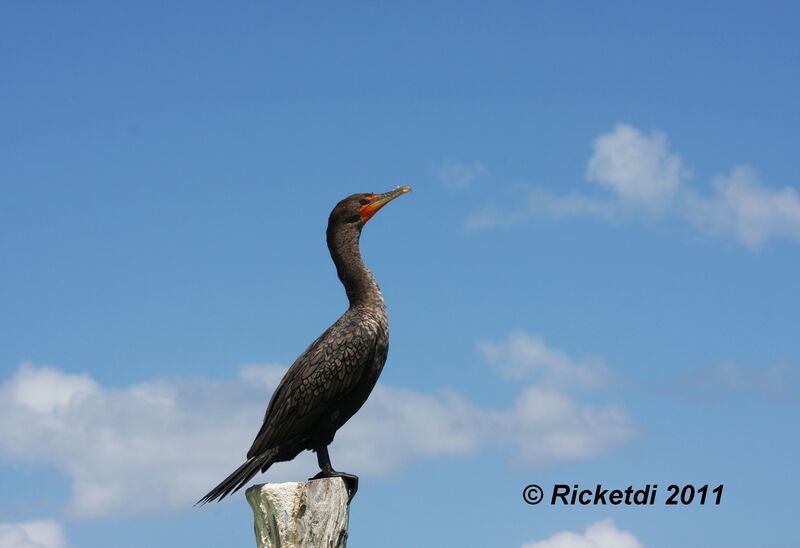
(458, 176)
(646, 180)
(741, 206)
(522, 355)
(636, 167)
(536, 203)
(151, 446)
(776, 382)
(547, 426)
(32, 534)
(397, 426)
(602, 534)
(46, 390)
(161, 445)
(543, 426)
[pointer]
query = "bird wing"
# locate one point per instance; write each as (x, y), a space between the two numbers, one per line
(327, 371)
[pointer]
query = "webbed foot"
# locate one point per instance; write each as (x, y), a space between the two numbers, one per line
(350, 481)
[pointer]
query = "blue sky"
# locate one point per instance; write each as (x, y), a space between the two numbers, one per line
(594, 280)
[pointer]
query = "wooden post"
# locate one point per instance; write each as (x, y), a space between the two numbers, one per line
(299, 515)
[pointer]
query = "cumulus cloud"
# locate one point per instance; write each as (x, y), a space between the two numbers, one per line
(741, 206)
(523, 355)
(547, 426)
(161, 445)
(645, 179)
(32, 534)
(638, 168)
(155, 445)
(46, 390)
(458, 176)
(602, 534)
(542, 426)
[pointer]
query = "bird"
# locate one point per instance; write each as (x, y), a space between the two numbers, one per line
(330, 381)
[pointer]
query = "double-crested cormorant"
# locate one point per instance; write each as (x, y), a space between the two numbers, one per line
(332, 378)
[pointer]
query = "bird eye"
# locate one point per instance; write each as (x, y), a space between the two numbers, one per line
(363, 201)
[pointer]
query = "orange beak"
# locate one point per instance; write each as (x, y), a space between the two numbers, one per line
(377, 201)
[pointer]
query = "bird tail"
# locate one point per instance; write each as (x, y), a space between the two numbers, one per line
(239, 477)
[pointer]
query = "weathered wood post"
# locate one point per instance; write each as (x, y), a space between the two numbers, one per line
(300, 515)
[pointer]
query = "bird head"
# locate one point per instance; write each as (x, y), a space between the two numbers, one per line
(359, 208)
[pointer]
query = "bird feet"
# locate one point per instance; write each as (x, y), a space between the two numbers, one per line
(350, 481)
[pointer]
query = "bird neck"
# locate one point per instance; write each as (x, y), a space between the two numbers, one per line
(360, 285)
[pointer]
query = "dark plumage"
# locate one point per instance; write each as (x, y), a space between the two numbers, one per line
(332, 378)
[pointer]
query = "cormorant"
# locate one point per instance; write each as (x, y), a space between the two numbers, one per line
(332, 378)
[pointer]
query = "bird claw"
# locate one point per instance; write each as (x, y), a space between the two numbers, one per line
(350, 481)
